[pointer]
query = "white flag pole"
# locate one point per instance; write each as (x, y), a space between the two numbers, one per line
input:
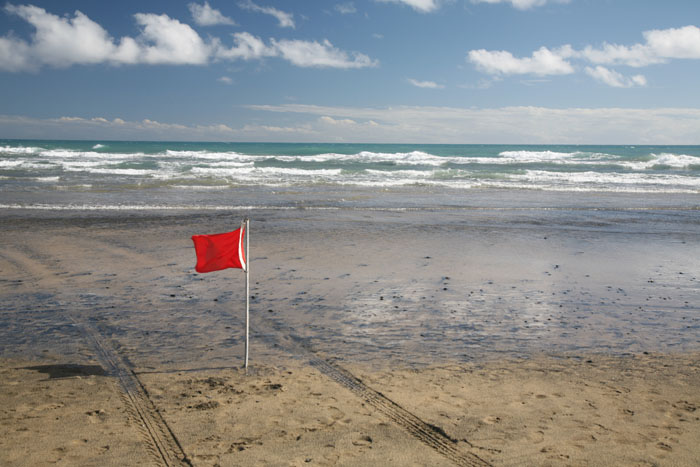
(247, 287)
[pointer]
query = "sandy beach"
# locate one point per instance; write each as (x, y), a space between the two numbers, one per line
(482, 336)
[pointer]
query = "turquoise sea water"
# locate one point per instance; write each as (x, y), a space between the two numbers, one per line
(104, 174)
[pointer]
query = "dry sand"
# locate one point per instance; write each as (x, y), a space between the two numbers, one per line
(366, 349)
(543, 411)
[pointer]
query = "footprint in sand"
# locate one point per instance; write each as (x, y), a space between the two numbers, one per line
(332, 416)
(686, 406)
(96, 415)
(364, 440)
(536, 437)
(208, 405)
(663, 446)
(242, 444)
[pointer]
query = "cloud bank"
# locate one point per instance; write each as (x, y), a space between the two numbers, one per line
(409, 124)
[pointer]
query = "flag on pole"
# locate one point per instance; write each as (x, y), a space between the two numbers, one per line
(220, 251)
(223, 251)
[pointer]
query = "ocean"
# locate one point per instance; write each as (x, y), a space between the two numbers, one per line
(111, 175)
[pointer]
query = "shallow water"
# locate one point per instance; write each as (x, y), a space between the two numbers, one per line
(510, 275)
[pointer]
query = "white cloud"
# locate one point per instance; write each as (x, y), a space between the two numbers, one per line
(542, 62)
(61, 42)
(15, 55)
(267, 132)
(661, 45)
(66, 41)
(332, 121)
(321, 55)
(610, 54)
(205, 15)
(71, 119)
(425, 84)
(675, 43)
(615, 79)
(304, 54)
(247, 47)
(286, 20)
(168, 41)
(345, 8)
(225, 80)
(424, 6)
(522, 4)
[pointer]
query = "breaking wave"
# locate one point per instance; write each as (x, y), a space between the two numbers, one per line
(133, 166)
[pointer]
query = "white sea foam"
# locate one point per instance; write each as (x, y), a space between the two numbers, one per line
(11, 163)
(79, 166)
(266, 171)
(201, 187)
(401, 173)
(141, 172)
(99, 146)
(408, 158)
(583, 178)
(19, 150)
(231, 164)
(209, 158)
(79, 187)
(73, 154)
(153, 207)
(586, 188)
(538, 156)
(678, 161)
(27, 165)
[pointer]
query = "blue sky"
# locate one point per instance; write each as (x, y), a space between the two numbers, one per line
(423, 71)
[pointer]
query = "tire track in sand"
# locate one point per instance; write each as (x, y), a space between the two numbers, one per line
(161, 442)
(432, 436)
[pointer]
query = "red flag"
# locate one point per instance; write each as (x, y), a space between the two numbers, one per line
(219, 251)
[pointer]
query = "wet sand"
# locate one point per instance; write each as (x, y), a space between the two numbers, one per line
(473, 337)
